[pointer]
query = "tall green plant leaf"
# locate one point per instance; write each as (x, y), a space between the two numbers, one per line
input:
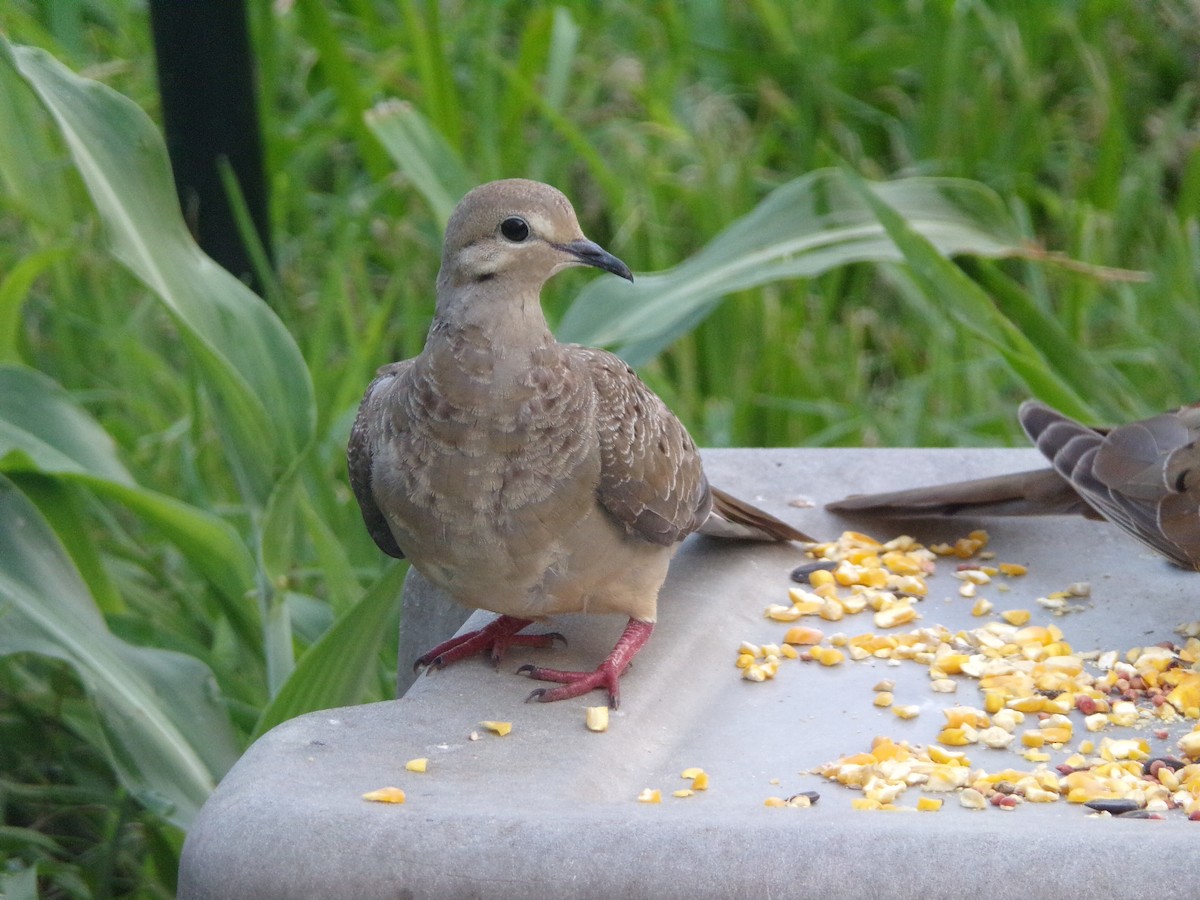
(807, 226)
(327, 675)
(421, 154)
(43, 431)
(250, 366)
(970, 305)
(167, 733)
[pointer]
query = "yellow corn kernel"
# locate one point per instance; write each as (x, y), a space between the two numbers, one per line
(777, 612)
(801, 634)
(982, 607)
(417, 765)
(958, 716)
(1190, 745)
(385, 795)
(777, 802)
(942, 756)
(929, 804)
(1056, 735)
(807, 602)
(500, 728)
(831, 610)
(1012, 569)
(596, 718)
(788, 651)
(911, 711)
(893, 616)
(884, 699)
(818, 577)
(743, 660)
(1040, 795)
(900, 563)
(650, 795)
(828, 656)
(1033, 738)
(700, 782)
(1015, 616)
(683, 792)
(1030, 704)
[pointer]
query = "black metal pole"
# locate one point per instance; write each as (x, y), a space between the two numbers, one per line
(206, 79)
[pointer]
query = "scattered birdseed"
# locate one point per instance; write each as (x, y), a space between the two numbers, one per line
(500, 728)
(417, 765)
(1026, 674)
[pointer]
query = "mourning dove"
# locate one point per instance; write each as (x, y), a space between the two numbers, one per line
(525, 476)
(1143, 477)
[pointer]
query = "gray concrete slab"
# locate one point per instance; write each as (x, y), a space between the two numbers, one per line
(550, 810)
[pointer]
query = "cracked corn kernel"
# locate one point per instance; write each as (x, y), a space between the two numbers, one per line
(929, 804)
(1015, 616)
(683, 792)
(884, 698)
(818, 577)
(982, 607)
(500, 728)
(910, 711)
(801, 634)
(650, 795)
(1190, 744)
(596, 718)
(827, 656)
(777, 802)
(420, 764)
(972, 799)
(385, 795)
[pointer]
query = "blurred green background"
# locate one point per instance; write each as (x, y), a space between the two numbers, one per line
(181, 563)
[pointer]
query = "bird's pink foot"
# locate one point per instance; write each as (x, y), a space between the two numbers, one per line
(494, 638)
(607, 675)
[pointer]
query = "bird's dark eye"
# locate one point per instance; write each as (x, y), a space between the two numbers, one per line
(515, 228)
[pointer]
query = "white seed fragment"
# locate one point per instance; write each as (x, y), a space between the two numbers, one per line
(972, 799)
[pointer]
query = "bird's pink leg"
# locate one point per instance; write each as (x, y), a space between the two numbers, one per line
(607, 675)
(493, 638)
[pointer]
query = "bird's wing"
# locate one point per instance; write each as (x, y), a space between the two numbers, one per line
(364, 436)
(1137, 475)
(651, 478)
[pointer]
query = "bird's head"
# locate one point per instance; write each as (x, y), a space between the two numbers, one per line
(517, 233)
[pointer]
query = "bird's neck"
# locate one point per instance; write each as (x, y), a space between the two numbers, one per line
(491, 339)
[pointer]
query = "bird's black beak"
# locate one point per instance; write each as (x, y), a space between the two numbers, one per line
(591, 254)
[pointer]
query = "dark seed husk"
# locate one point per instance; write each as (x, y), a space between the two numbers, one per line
(812, 796)
(1116, 807)
(801, 573)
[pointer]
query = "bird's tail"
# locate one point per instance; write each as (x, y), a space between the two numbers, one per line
(1041, 492)
(734, 518)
